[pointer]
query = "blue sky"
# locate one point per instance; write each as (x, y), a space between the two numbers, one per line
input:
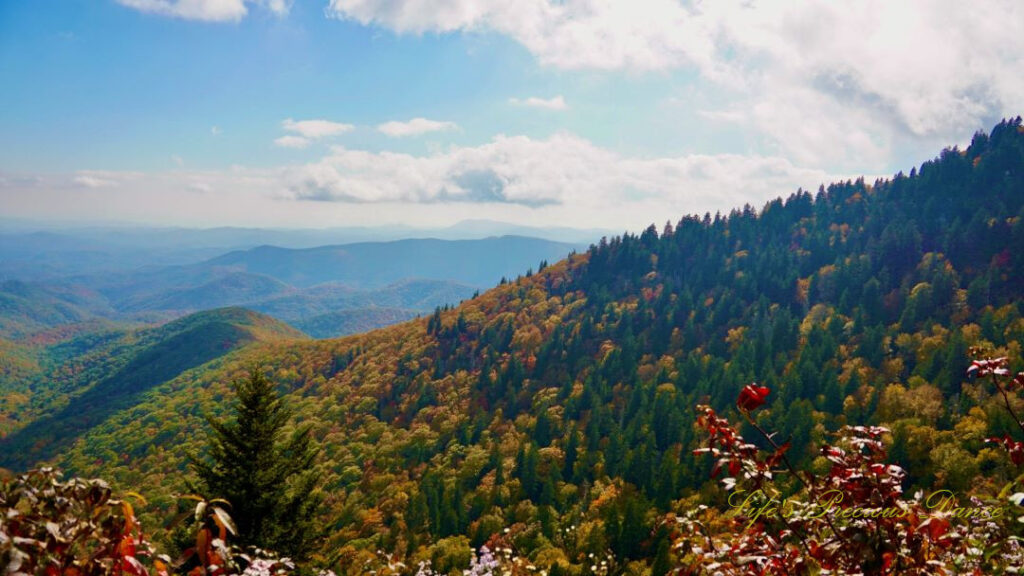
(582, 112)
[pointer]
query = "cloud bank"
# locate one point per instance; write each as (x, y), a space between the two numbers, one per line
(551, 181)
(823, 81)
(560, 170)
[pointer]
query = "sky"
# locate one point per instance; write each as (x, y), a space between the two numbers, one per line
(585, 113)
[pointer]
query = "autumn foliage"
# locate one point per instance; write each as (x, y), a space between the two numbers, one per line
(77, 527)
(70, 528)
(852, 519)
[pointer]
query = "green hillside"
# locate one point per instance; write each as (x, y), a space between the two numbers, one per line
(302, 306)
(26, 308)
(231, 289)
(560, 405)
(72, 386)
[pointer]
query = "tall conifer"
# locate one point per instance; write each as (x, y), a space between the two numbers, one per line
(268, 479)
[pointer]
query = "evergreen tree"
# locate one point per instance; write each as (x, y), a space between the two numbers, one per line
(634, 530)
(266, 478)
(571, 449)
(662, 563)
(542, 430)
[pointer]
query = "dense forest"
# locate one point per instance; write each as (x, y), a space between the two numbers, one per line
(557, 410)
(64, 389)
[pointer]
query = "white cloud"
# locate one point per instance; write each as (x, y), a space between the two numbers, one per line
(830, 82)
(314, 129)
(215, 130)
(556, 103)
(291, 142)
(93, 182)
(207, 10)
(186, 197)
(414, 127)
(309, 130)
(570, 34)
(22, 181)
(827, 82)
(279, 7)
(563, 170)
(102, 178)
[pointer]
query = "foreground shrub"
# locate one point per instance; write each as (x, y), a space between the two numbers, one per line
(78, 528)
(854, 518)
(74, 528)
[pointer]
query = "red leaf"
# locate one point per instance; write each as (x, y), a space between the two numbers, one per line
(935, 527)
(752, 396)
(734, 467)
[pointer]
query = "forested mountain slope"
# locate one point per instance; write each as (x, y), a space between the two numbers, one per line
(561, 404)
(65, 389)
(27, 308)
(344, 322)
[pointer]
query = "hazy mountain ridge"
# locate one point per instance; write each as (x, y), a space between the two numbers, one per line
(230, 289)
(53, 251)
(375, 264)
(291, 284)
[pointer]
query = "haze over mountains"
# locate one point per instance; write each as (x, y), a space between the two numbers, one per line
(57, 278)
(377, 264)
(40, 250)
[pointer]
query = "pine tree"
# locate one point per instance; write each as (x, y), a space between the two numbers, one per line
(267, 479)
(634, 530)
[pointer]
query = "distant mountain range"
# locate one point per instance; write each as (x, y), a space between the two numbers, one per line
(375, 283)
(376, 264)
(31, 250)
